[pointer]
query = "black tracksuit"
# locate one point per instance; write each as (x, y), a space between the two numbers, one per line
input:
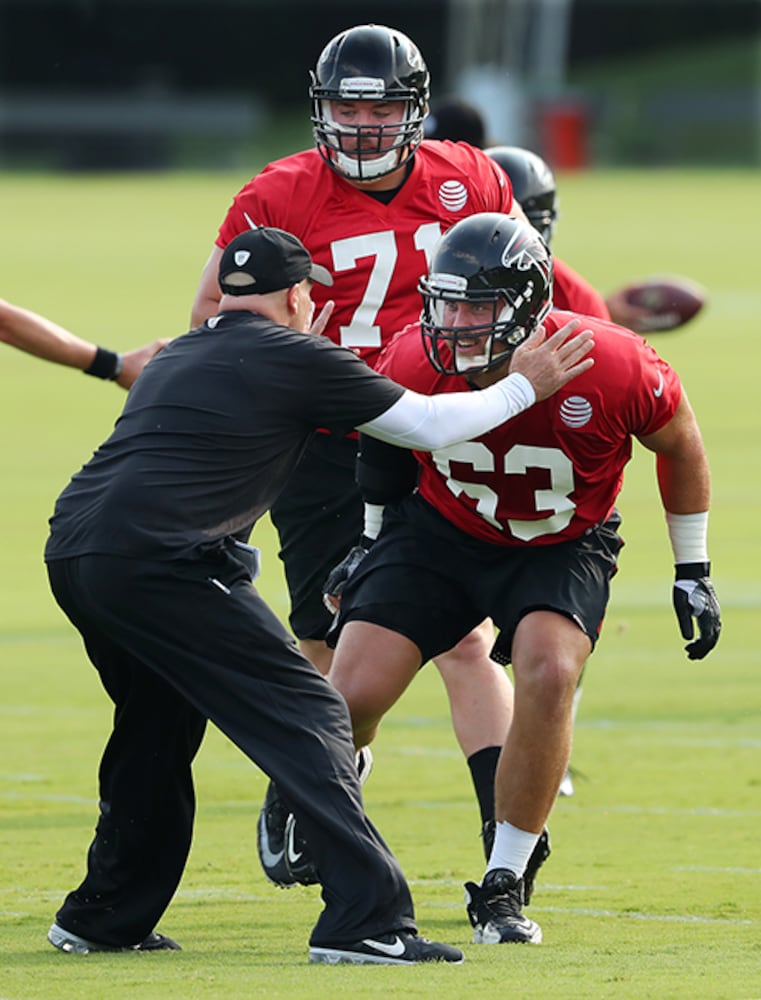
(141, 561)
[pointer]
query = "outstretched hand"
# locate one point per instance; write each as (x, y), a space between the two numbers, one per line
(133, 362)
(550, 362)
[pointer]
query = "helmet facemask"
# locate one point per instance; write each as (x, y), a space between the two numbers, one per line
(542, 217)
(365, 152)
(489, 287)
(495, 320)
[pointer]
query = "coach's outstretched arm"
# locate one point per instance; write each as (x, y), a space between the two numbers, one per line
(41, 337)
(538, 368)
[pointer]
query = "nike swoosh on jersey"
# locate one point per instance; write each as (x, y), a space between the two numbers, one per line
(393, 950)
(659, 391)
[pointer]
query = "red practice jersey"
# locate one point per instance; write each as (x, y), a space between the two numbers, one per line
(573, 293)
(375, 252)
(556, 469)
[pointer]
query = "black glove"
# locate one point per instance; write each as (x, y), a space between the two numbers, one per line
(694, 597)
(336, 581)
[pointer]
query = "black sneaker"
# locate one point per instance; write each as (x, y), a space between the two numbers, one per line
(270, 838)
(401, 948)
(494, 910)
(73, 944)
(301, 869)
(538, 856)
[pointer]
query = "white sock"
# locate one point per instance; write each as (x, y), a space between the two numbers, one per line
(512, 848)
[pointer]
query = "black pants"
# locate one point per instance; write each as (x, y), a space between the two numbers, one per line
(174, 649)
(319, 516)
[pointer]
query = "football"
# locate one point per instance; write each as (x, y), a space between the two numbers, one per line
(668, 302)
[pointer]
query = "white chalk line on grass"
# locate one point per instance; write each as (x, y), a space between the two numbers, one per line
(704, 812)
(667, 918)
(212, 894)
(662, 733)
(699, 812)
(581, 911)
(716, 868)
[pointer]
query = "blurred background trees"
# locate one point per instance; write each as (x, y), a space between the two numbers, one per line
(134, 84)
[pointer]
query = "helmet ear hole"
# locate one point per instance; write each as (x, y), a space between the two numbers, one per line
(376, 64)
(489, 286)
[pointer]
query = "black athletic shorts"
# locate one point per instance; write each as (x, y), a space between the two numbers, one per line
(319, 517)
(431, 582)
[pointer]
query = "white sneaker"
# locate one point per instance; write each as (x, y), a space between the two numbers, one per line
(73, 944)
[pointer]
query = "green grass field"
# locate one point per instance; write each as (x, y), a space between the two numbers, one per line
(654, 886)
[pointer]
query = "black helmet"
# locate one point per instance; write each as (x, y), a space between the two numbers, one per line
(533, 185)
(501, 269)
(369, 63)
(456, 120)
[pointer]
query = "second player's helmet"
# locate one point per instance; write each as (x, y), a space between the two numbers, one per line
(497, 272)
(533, 185)
(369, 63)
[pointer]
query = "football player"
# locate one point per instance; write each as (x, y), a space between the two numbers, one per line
(519, 524)
(370, 201)
(534, 187)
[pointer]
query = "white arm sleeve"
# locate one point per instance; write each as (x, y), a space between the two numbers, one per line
(429, 422)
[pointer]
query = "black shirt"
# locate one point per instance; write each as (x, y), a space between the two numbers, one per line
(208, 437)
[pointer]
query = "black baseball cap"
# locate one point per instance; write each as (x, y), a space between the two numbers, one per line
(265, 260)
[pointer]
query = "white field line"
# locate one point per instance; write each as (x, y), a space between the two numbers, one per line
(704, 812)
(212, 894)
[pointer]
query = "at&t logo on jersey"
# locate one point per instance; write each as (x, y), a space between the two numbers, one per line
(575, 411)
(453, 195)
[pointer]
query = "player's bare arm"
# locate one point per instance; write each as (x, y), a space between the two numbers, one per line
(684, 483)
(133, 362)
(42, 338)
(683, 473)
(206, 302)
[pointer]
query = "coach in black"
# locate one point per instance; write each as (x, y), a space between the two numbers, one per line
(147, 557)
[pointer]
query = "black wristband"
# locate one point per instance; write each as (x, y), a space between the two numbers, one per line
(106, 364)
(692, 571)
(365, 542)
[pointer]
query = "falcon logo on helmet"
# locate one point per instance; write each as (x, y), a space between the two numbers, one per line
(489, 287)
(369, 63)
(526, 251)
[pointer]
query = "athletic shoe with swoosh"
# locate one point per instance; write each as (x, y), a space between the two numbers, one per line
(400, 948)
(298, 861)
(270, 839)
(276, 826)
